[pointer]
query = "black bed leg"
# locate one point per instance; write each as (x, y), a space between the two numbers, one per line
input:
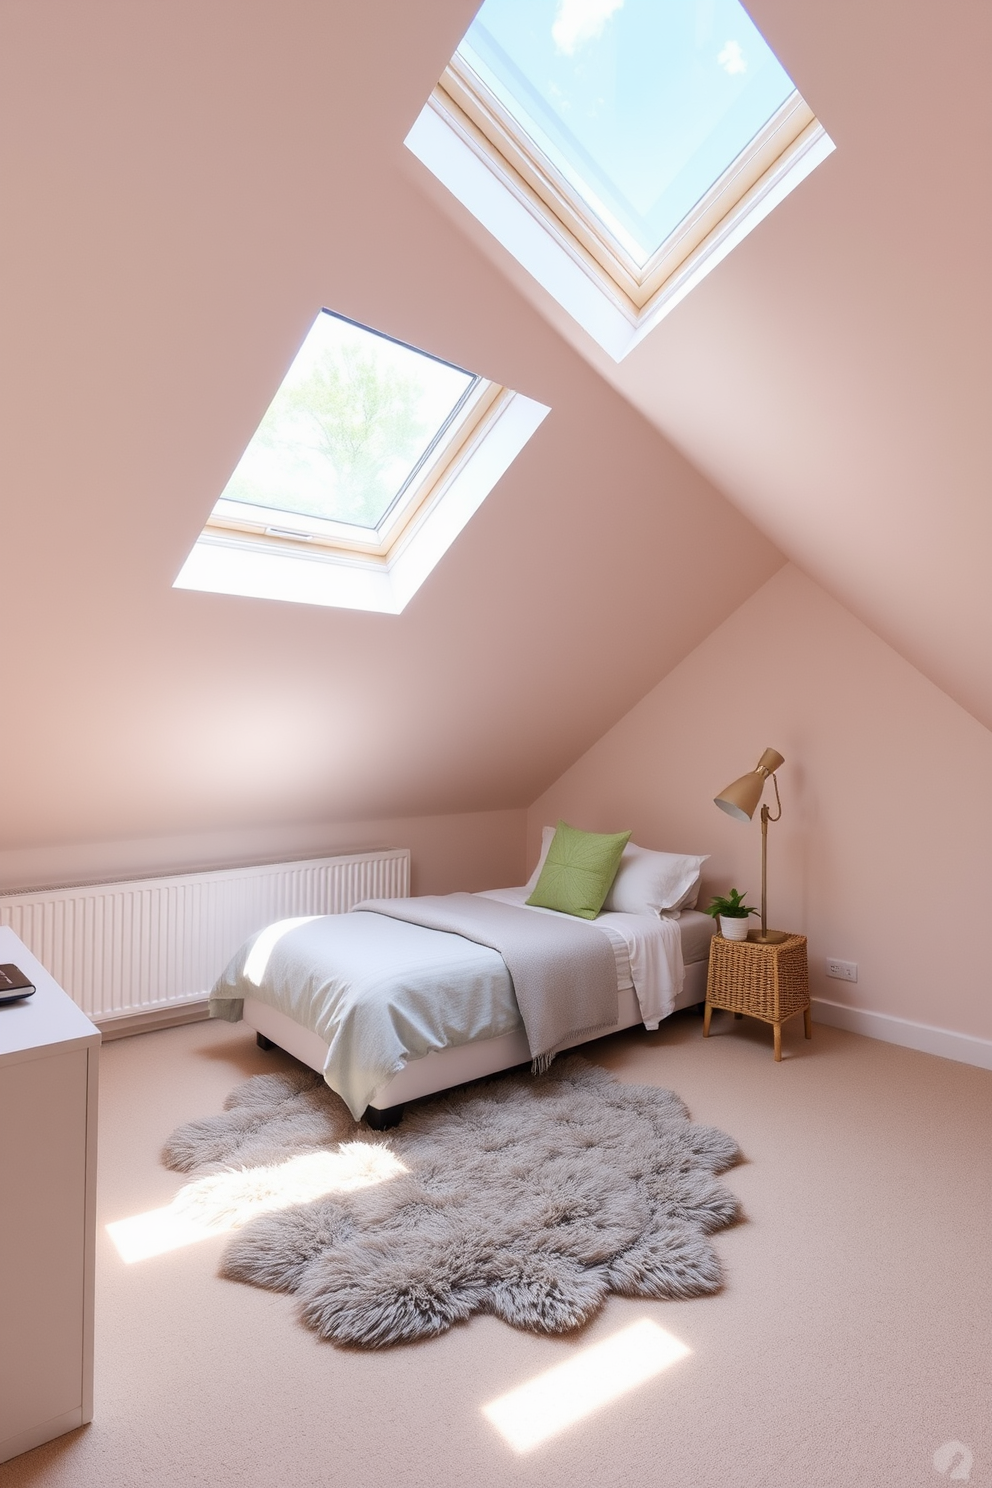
(382, 1120)
(263, 1042)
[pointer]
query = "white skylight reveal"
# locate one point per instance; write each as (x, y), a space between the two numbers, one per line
(642, 137)
(369, 461)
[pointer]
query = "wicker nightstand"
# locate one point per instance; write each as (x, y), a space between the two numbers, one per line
(770, 982)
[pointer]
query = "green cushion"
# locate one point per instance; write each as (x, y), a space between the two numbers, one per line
(579, 870)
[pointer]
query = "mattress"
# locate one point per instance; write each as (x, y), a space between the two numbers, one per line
(697, 930)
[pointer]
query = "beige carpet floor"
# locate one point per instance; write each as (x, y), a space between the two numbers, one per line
(850, 1343)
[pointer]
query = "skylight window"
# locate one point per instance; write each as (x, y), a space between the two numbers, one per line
(644, 136)
(369, 461)
(351, 427)
(637, 105)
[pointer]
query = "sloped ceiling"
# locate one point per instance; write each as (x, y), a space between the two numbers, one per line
(183, 186)
(832, 375)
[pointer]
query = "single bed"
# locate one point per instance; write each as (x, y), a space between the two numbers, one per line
(389, 1011)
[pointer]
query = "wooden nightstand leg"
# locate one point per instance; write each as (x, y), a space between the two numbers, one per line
(778, 1042)
(808, 1021)
(706, 1021)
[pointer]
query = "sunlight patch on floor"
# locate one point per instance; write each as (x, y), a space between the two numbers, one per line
(225, 1201)
(597, 1375)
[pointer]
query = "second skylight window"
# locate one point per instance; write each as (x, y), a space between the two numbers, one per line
(645, 137)
(368, 463)
(351, 431)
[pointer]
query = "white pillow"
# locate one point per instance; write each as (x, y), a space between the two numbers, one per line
(547, 837)
(650, 882)
(646, 882)
(688, 900)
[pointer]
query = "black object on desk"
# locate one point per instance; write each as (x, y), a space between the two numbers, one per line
(13, 983)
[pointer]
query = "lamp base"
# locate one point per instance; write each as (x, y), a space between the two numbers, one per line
(770, 937)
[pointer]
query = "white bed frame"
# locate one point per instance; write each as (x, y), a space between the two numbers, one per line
(444, 1068)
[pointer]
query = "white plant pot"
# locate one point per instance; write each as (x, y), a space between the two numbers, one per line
(733, 929)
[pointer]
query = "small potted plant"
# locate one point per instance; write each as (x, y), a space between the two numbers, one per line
(733, 914)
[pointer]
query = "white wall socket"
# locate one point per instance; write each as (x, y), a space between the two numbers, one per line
(845, 971)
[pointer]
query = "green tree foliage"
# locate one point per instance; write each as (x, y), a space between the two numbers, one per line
(359, 418)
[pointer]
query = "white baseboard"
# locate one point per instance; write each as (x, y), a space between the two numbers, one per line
(36, 1436)
(963, 1047)
(169, 1015)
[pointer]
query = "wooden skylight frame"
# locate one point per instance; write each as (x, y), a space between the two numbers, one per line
(271, 527)
(475, 145)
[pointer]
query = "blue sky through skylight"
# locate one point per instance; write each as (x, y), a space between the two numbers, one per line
(641, 104)
(354, 419)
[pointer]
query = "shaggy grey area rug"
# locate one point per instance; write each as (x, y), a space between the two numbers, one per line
(528, 1198)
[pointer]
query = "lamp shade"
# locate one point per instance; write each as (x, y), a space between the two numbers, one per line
(740, 800)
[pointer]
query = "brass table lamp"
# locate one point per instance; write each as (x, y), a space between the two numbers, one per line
(739, 801)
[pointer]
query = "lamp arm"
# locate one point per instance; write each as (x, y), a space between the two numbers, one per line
(766, 817)
(778, 801)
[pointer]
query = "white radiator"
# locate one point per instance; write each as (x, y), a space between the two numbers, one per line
(145, 945)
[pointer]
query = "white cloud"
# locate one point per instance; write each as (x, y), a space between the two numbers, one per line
(579, 21)
(732, 59)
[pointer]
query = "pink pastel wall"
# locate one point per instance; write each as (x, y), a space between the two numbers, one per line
(176, 256)
(884, 850)
(464, 851)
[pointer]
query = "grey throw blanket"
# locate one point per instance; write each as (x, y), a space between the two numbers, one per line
(563, 970)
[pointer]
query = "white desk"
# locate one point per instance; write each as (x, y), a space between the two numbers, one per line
(49, 1052)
